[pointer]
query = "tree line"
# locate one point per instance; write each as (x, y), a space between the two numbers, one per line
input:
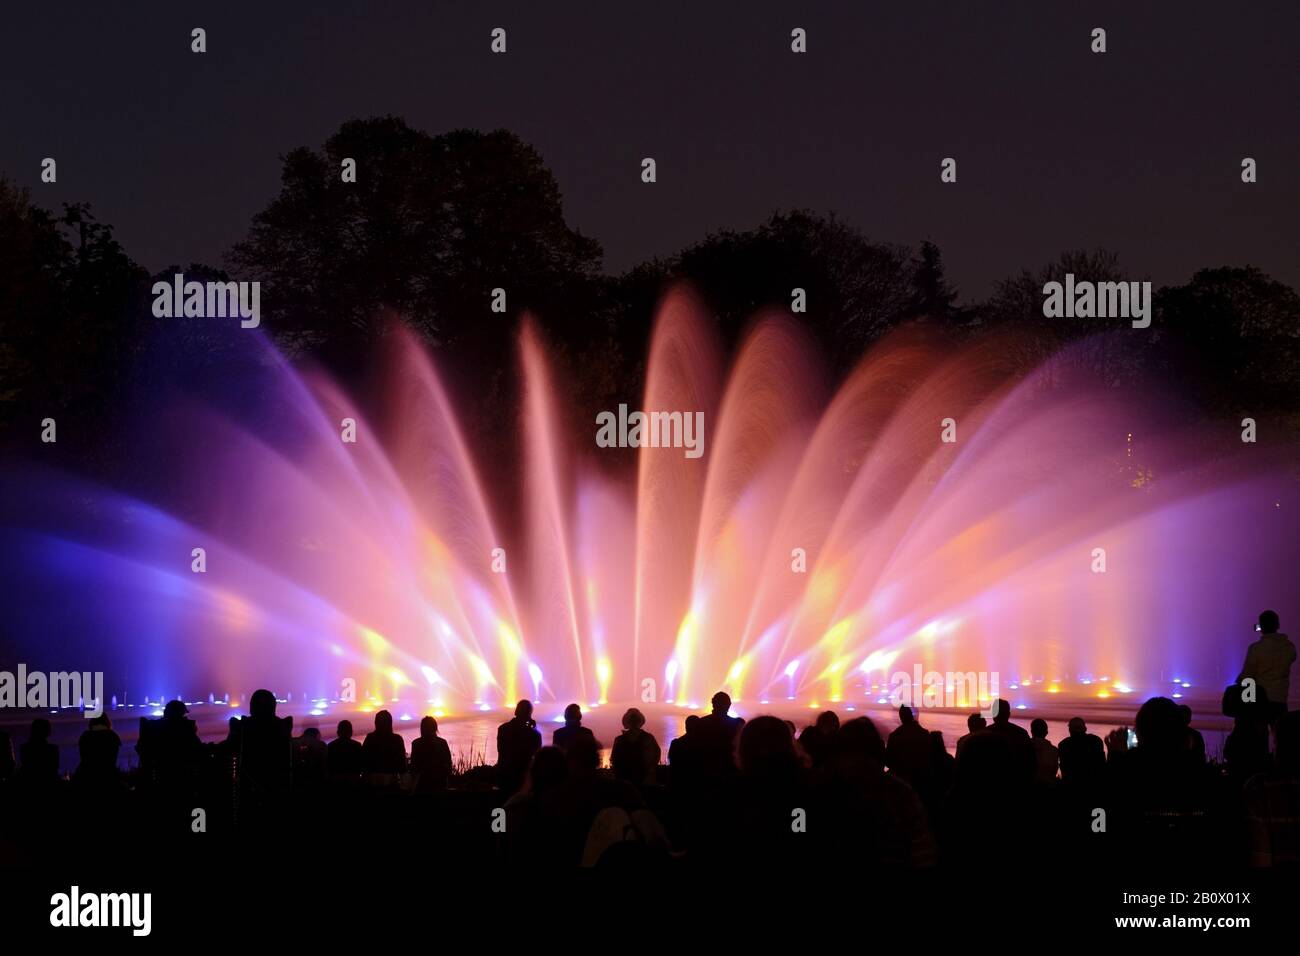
(433, 223)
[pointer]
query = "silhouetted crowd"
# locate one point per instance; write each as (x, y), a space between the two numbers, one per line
(731, 791)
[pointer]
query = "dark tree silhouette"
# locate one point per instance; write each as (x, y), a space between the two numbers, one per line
(67, 326)
(430, 227)
(1236, 332)
(932, 296)
(856, 289)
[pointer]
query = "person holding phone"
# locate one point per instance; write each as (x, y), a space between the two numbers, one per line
(1268, 663)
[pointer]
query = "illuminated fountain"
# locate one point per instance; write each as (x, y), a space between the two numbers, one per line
(825, 539)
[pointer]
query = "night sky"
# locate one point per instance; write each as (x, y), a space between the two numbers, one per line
(1138, 150)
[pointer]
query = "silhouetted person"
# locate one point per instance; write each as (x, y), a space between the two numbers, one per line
(939, 774)
(1268, 662)
(170, 752)
(343, 755)
(718, 732)
(1082, 756)
(98, 748)
(685, 757)
(568, 811)
(907, 754)
(816, 740)
(770, 783)
(1163, 797)
(310, 759)
(383, 752)
(430, 759)
(975, 724)
(524, 832)
(517, 741)
(1194, 742)
(1272, 802)
(870, 816)
(572, 728)
(991, 791)
(8, 765)
(1245, 749)
(1045, 755)
(265, 751)
(635, 757)
(1015, 736)
(38, 759)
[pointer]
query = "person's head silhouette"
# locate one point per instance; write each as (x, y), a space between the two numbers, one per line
(261, 704)
(428, 727)
(383, 722)
(583, 756)
(41, 729)
(827, 722)
(312, 732)
(975, 723)
(1159, 726)
(692, 722)
(175, 710)
(1038, 728)
(548, 769)
(633, 719)
(721, 703)
(1269, 622)
(572, 715)
(905, 715)
(1001, 712)
(859, 740)
(345, 729)
(524, 710)
(1077, 727)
